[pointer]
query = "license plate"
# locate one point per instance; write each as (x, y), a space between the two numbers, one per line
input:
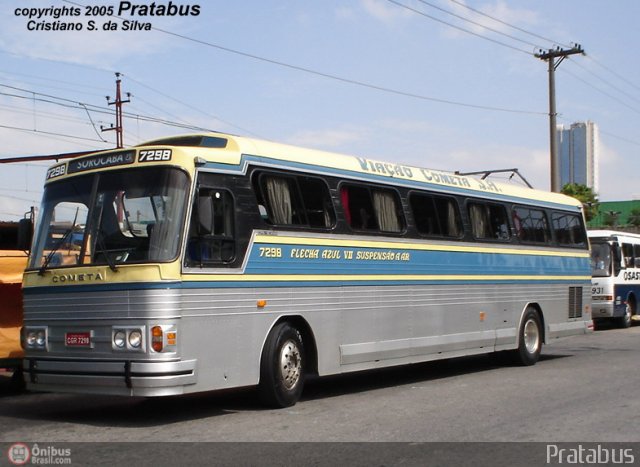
(77, 339)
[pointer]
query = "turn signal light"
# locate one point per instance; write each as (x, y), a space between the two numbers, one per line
(157, 339)
(164, 338)
(171, 338)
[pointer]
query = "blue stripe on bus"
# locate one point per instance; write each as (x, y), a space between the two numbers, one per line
(405, 261)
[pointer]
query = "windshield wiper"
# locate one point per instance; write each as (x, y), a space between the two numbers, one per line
(110, 261)
(49, 257)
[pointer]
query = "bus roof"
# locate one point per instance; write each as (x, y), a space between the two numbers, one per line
(612, 233)
(222, 150)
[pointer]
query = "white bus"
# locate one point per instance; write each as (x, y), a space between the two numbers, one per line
(615, 286)
(212, 261)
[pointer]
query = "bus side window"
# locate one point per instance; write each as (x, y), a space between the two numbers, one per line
(489, 221)
(212, 229)
(372, 208)
(636, 255)
(294, 200)
(531, 225)
(435, 215)
(568, 229)
(627, 254)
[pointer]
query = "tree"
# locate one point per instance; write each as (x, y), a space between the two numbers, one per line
(585, 195)
(611, 218)
(634, 217)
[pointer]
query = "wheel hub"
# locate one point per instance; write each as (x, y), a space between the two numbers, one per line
(531, 336)
(290, 364)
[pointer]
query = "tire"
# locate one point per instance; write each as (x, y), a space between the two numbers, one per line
(625, 320)
(282, 367)
(529, 338)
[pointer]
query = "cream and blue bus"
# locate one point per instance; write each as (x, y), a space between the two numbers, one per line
(208, 262)
(615, 264)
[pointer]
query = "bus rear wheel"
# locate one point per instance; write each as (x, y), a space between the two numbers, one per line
(282, 367)
(530, 339)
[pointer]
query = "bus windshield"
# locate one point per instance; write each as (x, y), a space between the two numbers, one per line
(600, 259)
(114, 217)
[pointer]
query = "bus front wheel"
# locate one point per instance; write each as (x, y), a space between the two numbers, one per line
(530, 339)
(282, 367)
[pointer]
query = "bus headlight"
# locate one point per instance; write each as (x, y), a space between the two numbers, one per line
(41, 338)
(135, 339)
(119, 339)
(34, 338)
(129, 338)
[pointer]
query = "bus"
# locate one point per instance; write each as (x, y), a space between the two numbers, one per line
(615, 287)
(13, 261)
(210, 261)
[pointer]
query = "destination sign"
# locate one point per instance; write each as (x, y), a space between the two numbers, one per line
(101, 161)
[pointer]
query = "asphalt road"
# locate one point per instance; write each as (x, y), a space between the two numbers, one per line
(584, 389)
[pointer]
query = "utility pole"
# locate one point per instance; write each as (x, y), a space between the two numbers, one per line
(118, 103)
(550, 57)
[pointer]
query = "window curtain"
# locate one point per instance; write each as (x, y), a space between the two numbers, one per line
(479, 222)
(279, 196)
(384, 206)
(452, 220)
(344, 197)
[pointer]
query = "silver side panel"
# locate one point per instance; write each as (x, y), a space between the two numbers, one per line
(222, 331)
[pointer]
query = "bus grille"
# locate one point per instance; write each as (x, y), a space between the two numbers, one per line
(575, 302)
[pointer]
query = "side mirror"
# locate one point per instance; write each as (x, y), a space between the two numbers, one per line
(25, 234)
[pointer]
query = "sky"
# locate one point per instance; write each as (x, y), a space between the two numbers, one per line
(383, 79)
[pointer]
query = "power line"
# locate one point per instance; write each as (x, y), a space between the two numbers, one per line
(614, 73)
(347, 80)
(458, 27)
(244, 130)
(621, 138)
(605, 81)
(339, 78)
(533, 34)
(101, 89)
(49, 133)
(95, 108)
(57, 116)
(17, 198)
(451, 13)
(620, 101)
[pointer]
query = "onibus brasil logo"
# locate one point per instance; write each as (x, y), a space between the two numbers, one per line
(21, 454)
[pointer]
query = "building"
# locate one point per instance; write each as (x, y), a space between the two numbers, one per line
(621, 215)
(578, 151)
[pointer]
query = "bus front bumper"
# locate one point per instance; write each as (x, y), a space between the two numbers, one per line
(601, 309)
(127, 378)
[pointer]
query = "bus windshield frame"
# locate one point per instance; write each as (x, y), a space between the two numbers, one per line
(602, 259)
(114, 217)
